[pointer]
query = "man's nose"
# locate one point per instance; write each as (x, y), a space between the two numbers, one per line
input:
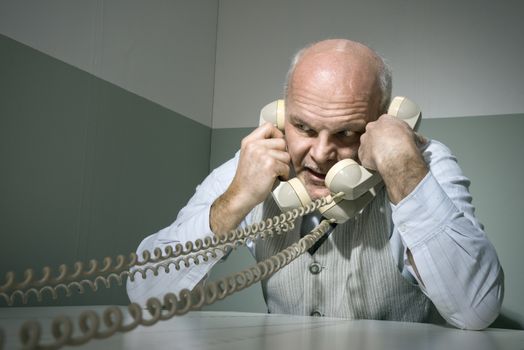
(323, 150)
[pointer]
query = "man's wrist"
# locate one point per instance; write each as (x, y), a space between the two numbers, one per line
(402, 173)
(226, 213)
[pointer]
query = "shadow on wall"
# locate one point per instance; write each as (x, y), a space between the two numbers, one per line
(509, 320)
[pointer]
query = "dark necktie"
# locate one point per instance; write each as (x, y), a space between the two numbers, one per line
(309, 222)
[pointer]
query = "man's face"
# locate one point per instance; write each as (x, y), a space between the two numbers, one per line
(325, 116)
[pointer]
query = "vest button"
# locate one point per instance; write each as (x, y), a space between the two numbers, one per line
(316, 313)
(315, 268)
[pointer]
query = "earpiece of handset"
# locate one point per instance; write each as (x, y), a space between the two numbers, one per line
(274, 113)
(405, 109)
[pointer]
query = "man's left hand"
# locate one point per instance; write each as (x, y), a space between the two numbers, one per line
(390, 147)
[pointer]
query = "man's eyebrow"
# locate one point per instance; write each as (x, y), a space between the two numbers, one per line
(356, 125)
(296, 119)
(352, 125)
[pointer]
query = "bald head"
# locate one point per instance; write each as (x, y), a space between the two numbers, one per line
(341, 64)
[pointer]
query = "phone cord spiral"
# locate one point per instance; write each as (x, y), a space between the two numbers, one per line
(90, 323)
(79, 277)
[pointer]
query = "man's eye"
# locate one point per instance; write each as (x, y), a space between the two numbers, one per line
(303, 128)
(347, 133)
(350, 134)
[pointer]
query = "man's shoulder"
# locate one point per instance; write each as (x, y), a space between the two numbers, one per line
(435, 145)
(435, 149)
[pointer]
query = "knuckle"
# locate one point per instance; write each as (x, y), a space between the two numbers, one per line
(244, 142)
(268, 164)
(250, 147)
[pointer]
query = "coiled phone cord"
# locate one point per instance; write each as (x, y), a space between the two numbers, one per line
(79, 277)
(90, 323)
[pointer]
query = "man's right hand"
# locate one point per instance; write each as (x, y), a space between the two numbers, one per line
(263, 158)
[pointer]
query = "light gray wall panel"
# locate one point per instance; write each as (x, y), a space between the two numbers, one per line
(455, 58)
(162, 50)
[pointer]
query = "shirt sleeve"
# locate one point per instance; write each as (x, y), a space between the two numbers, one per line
(191, 223)
(458, 266)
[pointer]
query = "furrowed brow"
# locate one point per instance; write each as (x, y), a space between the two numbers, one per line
(293, 118)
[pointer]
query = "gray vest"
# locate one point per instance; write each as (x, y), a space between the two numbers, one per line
(352, 275)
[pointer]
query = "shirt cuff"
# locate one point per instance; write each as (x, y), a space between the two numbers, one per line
(423, 212)
(196, 227)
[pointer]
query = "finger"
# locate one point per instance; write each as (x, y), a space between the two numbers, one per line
(363, 156)
(277, 144)
(360, 154)
(274, 163)
(282, 170)
(266, 131)
(420, 139)
(280, 156)
(369, 126)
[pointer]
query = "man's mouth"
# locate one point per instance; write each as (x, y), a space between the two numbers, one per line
(315, 176)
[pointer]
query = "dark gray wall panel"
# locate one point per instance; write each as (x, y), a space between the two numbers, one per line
(87, 168)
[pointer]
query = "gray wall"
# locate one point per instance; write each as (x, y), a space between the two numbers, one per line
(488, 150)
(88, 169)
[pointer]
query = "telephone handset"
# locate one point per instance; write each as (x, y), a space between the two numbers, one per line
(358, 184)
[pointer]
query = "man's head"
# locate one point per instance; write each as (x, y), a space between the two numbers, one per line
(333, 89)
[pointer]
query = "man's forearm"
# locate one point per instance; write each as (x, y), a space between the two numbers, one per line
(403, 174)
(226, 214)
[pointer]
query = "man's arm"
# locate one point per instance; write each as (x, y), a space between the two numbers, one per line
(456, 265)
(263, 158)
(390, 147)
(453, 261)
(219, 205)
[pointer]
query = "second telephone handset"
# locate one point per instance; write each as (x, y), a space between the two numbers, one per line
(358, 184)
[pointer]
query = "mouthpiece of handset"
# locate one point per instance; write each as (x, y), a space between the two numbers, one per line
(291, 194)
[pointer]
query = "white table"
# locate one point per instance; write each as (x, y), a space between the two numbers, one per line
(234, 330)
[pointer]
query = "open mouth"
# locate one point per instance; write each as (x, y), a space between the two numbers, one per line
(316, 176)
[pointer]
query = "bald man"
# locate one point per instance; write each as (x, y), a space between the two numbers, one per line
(416, 253)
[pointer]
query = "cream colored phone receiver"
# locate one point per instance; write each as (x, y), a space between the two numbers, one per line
(290, 195)
(354, 180)
(274, 113)
(405, 109)
(342, 210)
